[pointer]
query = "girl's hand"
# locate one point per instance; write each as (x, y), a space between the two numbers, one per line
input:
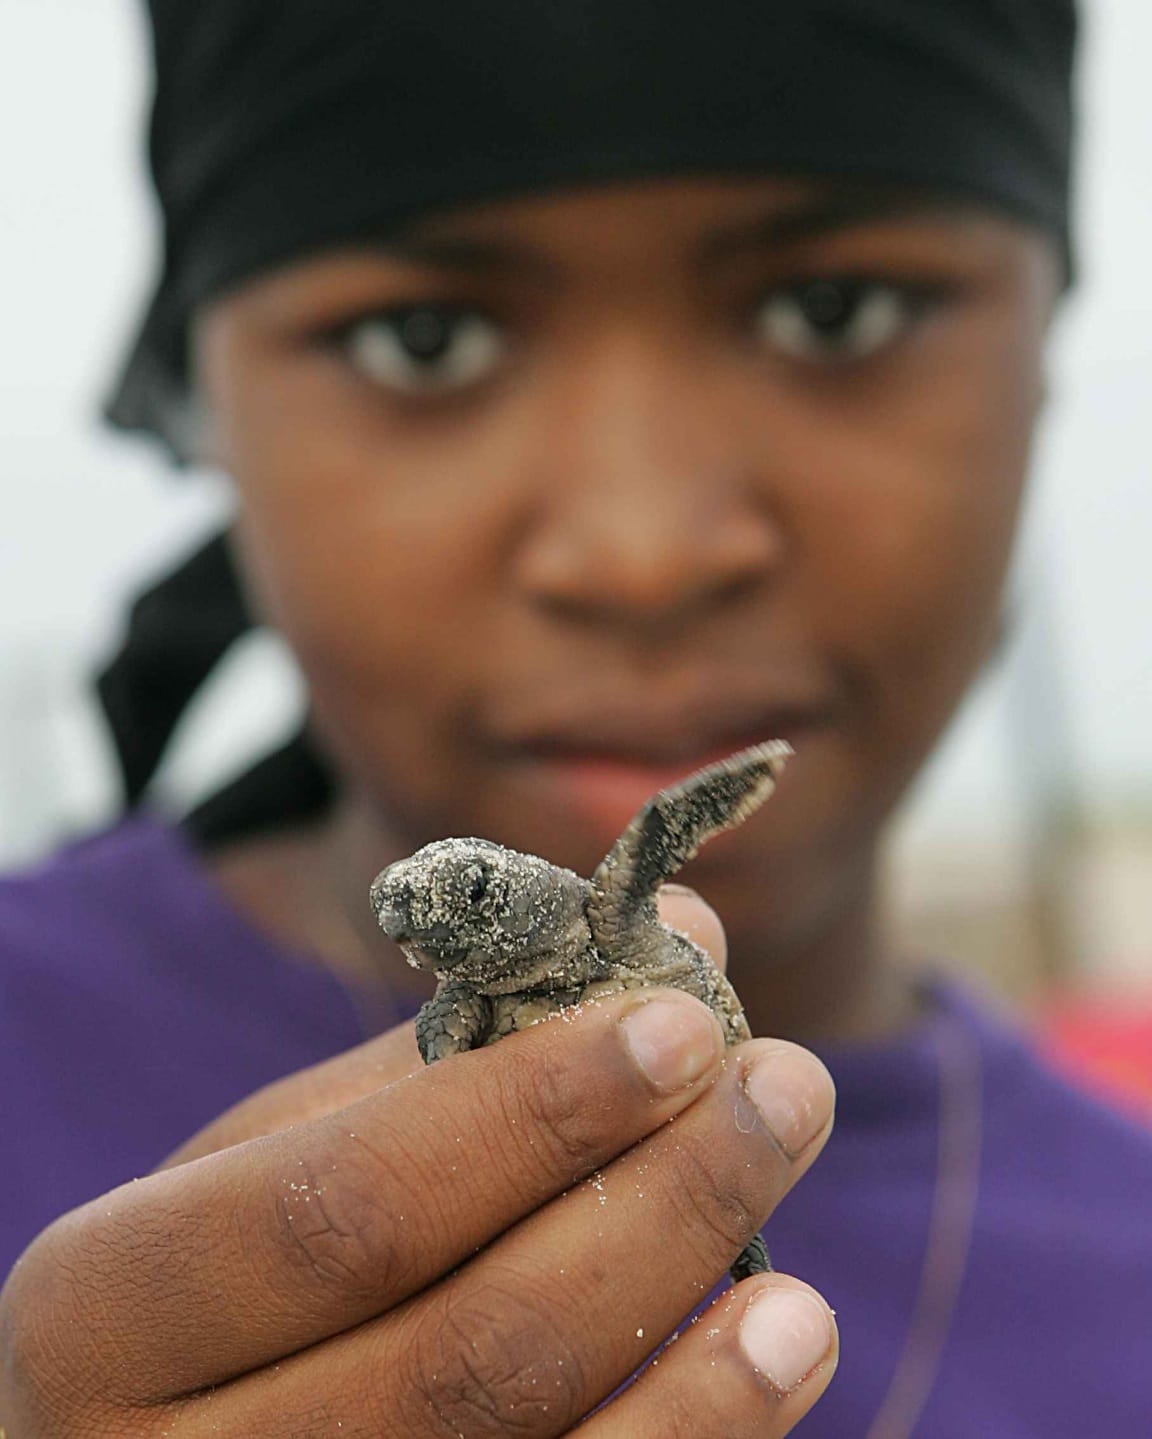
(488, 1246)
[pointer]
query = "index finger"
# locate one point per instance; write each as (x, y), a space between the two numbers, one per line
(238, 1259)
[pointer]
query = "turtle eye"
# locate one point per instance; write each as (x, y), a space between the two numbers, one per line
(476, 883)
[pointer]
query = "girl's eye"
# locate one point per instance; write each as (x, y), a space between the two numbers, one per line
(828, 319)
(425, 349)
(476, 883)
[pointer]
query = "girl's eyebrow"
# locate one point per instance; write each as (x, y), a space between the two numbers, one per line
(822, 215)
(783, 225)
(470, 255)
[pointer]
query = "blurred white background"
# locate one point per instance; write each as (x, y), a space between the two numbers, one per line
(1029, 843)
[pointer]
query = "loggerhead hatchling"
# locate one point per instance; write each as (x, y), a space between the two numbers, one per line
(513, 939)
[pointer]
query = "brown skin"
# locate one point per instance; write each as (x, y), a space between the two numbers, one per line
(646, 521)
(642, 509)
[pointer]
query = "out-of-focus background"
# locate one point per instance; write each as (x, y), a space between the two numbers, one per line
(1025, 854)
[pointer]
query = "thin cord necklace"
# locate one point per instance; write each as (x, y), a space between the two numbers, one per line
(958, 1157)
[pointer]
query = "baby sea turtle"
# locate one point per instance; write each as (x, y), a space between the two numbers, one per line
(513, 939)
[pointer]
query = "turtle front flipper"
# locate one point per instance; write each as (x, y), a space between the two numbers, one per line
(669, 830)
(455, 1019)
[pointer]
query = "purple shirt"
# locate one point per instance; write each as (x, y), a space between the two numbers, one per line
(136, 1005)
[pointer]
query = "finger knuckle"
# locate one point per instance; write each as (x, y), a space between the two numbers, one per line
(563, 1130)
(493, 1362)
(716, 1207)
(328, 1225)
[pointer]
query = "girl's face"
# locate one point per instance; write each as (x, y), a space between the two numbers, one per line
(557, 499)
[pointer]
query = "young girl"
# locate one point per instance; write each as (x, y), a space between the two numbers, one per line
(604, 388)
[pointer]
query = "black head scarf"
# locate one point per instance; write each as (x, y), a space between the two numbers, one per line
(281, 127)
(284, 126)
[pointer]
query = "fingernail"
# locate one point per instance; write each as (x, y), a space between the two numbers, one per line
(681, 889)
(785, 1333)
(794, 1094)
(674, 1040)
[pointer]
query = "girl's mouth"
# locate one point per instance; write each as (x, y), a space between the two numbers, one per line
(604, 789)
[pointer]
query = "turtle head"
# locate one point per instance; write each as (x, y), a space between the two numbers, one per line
(470, 909)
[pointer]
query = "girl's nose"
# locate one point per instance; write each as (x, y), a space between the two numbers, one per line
(649, 510)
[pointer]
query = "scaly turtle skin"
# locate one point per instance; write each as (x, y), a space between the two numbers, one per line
(513, 939)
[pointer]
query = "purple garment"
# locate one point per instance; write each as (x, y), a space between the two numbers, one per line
(136, 1005)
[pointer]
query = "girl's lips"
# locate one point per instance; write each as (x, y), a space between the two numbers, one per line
(605, 791)
(605, 794)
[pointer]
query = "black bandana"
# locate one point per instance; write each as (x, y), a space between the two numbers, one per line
(284, 126)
